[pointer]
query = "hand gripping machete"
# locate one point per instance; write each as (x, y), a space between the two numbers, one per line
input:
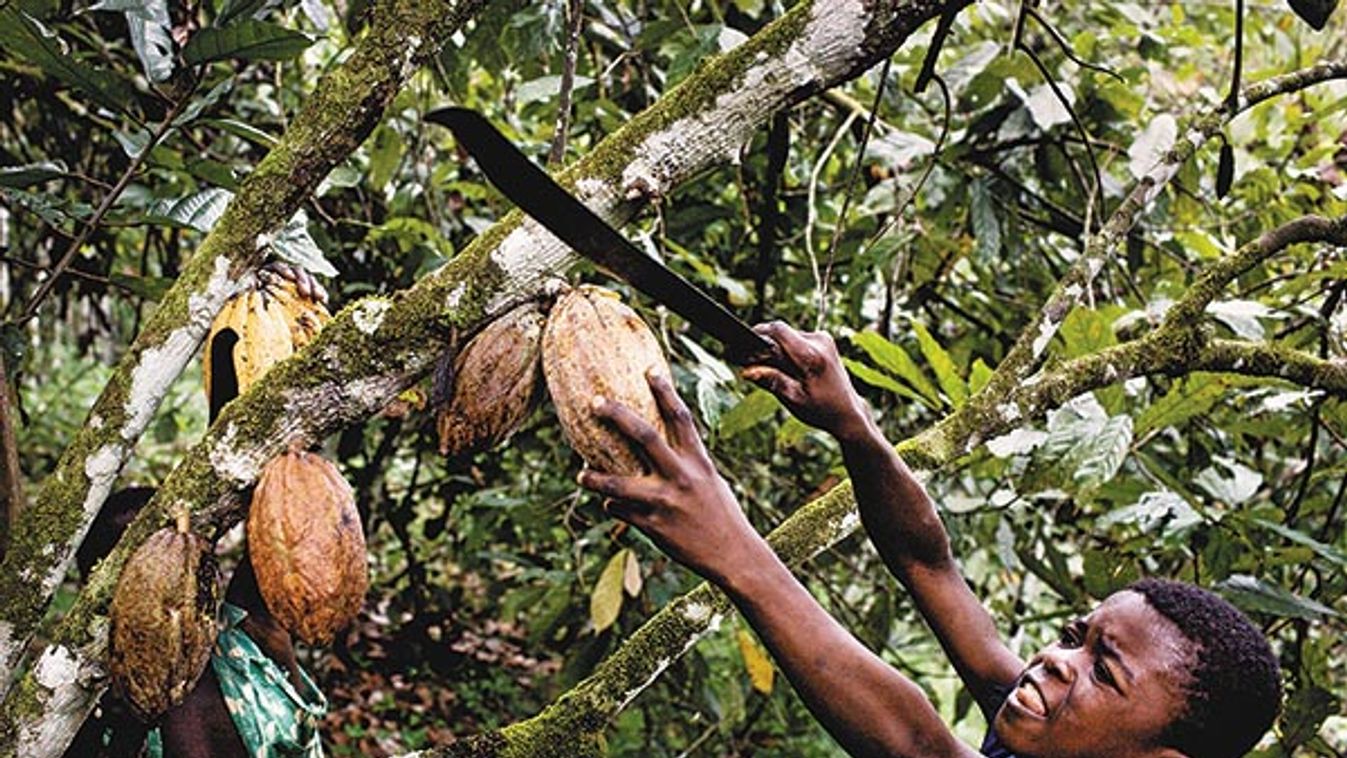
(530, 188)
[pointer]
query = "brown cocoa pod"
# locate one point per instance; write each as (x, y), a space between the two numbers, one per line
(495, 384)
(306, 546)
(593, 345)
(164, 620)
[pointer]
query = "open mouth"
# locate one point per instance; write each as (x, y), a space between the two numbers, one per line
(1029, 697)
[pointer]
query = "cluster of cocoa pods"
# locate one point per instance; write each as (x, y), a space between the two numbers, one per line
(305, 539)
(589, 344)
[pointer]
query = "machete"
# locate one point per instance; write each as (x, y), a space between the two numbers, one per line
(530, 188)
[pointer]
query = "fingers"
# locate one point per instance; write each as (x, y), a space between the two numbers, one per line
(677, 418)
(809, 351)
(638, 431)
(777, 382)
(627, 497)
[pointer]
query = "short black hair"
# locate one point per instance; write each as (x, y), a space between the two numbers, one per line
(1234, 687)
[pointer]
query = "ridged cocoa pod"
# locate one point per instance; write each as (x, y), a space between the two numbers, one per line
(263, 329)
(495, 383)
(307, 546)
(164, 620)
(304, 315)
(593, 344)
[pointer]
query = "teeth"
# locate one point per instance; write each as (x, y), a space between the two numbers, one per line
(1032, 700)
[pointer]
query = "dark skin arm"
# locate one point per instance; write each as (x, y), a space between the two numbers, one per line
(689, 511)
(897, 513)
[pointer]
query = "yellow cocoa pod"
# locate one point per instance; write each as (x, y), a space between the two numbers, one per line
(306, 546)
(593, 344)
(262, 329)
(164, 620)
(495, 383)
(304, 315)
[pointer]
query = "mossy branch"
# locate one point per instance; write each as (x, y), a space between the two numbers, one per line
(344, 108)
(375, 348)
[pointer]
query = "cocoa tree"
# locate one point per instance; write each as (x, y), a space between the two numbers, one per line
(379, 346)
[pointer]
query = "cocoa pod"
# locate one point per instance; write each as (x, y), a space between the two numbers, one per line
(164, 620)
(306, 546)
(495, 384)
(305, 316)
(263, 330)
(593, 344)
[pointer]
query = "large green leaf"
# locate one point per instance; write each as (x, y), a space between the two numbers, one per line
(1255, 595)
(24, 35)
(946, 373)
(896, 361)
(249, 40)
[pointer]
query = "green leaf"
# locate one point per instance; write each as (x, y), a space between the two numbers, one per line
(1255, 595)
(978, 376)
(48, 208)
(249, 40)
(24, 35)
(983, 219)
(756, 407)
(605, 601)
(946, 373)
(19, 177)
(1103, 454)
(1327, 552)
(385, 153)
(294, 245)
(896, 361)
(879, 379)
(197, 211)
(149, 25)
(244, 131)
(1188, 398)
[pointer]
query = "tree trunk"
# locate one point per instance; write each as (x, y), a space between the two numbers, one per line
(345, 107)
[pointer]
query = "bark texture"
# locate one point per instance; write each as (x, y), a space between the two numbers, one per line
(377, 347)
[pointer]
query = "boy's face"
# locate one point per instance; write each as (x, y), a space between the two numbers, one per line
(1109, 687)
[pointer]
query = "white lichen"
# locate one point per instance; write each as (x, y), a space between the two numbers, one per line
(368, 314)
(160, 365)
(232, 459)
(1046, 330)
(65, 704)
(696, 612)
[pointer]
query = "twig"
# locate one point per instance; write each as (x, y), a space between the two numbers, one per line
(576, 16)
(43, 289)
(841, 227)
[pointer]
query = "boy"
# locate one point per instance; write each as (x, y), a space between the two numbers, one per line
(1160, 670)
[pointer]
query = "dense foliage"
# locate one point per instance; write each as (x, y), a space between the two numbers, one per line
(924, 229)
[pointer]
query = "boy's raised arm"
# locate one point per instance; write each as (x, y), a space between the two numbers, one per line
(688, 510)
(897, 513)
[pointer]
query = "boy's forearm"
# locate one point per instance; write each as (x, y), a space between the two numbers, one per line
(898, 514)
(864, 703)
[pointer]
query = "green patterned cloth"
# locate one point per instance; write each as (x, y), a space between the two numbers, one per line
(273, 719)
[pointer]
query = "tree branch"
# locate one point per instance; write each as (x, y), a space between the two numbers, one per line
(377, 347)
(343, 109)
